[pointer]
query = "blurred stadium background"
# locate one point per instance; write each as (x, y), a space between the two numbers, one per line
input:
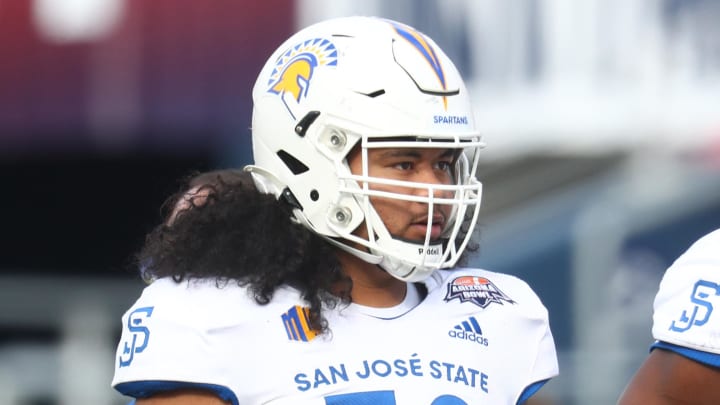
(602, 119)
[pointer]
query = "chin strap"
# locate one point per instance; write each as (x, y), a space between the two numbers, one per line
(368, 257)
(394, 267)
(428, 258)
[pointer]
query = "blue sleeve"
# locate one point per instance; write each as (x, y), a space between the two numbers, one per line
(707, 358)
(530, 390)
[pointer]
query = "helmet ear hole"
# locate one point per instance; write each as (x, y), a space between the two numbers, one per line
(314, 195)
(292, 163)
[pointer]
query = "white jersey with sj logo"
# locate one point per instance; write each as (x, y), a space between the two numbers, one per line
(686, 311)
(477, 338)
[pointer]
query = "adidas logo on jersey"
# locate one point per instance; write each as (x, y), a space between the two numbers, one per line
(468, 329)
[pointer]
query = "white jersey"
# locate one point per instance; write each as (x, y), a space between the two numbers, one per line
(686, 316)
(477, 338)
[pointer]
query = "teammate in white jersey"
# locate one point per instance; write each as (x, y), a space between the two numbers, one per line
(684, 363)
(363, 130)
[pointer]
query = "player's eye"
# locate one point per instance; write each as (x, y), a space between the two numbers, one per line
(403, 165)
(445, 166)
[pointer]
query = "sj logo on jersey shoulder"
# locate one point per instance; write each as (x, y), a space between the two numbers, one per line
(139, 335)
(478, 290)
(701, 309)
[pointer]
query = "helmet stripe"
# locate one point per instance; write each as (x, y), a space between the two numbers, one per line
(426, 50)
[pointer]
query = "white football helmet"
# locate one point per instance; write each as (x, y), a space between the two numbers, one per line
(369, 83)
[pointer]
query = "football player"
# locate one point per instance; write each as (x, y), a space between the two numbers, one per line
(684, 362)
(364, 131)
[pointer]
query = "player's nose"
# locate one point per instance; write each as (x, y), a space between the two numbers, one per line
(434, 184)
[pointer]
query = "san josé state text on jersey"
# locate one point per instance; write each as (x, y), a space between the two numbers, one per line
(413, 367)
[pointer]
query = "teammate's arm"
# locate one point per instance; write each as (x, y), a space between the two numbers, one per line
(667, 378)
(185, 397)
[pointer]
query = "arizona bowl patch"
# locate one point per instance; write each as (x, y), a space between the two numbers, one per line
(478, 290)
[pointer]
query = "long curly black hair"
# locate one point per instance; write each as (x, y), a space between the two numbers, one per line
(218, 226)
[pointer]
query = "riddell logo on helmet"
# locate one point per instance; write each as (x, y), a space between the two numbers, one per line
(294, 70)
(430, 251)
